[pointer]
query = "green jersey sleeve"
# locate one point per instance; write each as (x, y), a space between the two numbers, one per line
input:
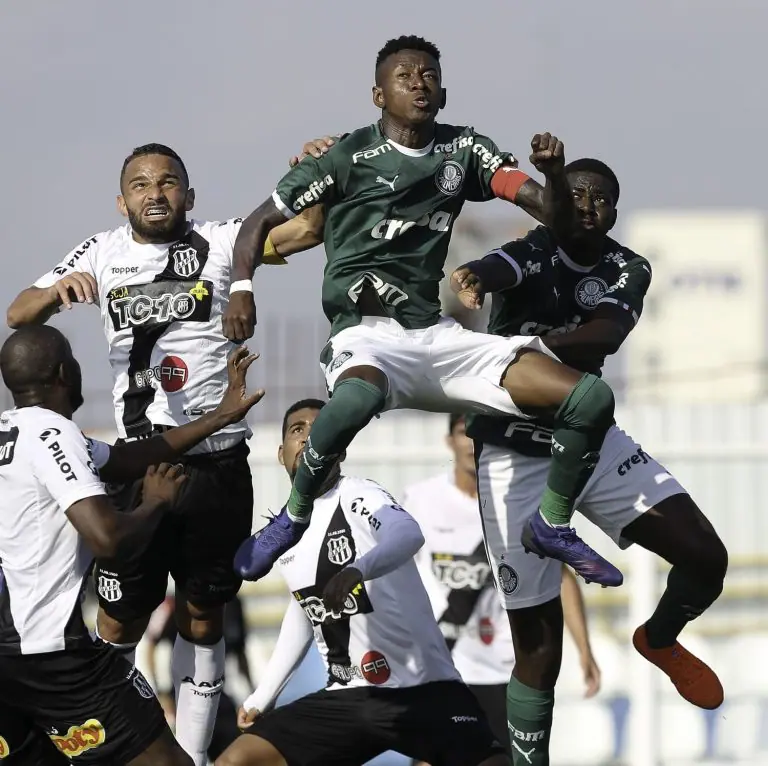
(524, 256)
(485, 160)
(311, 182)
(628, 292)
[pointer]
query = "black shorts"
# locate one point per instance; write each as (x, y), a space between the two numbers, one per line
(24, 744)
(92, 704)
(493, 701)
(440, 723)
(195, 544)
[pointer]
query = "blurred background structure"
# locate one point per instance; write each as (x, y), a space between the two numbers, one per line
(663, 91)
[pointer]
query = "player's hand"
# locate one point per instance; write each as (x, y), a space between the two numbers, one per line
(246, 718)
(468, 288)
(316, 148)
(339, 587)
(591, 675)
(237, 401)
(239, 320)
(162, 483)
(77, 287)
(547, 154)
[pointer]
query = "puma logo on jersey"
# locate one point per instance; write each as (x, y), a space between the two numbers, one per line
(533, 247)
(391, 184)
(390, 228)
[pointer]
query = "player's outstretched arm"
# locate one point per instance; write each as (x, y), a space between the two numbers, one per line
(239, 318)
(290, 649)
(575, 617)
(108, 532)
(131, 460)
(36, 305)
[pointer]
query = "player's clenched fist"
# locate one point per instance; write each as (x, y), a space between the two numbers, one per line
(547, 154)
(78, 287)
(239, 320)
(468, 287)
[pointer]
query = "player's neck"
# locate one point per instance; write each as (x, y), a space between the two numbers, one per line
(37, 399)
(408, 136)
(465, 481)
(166, 239)
(584, 254)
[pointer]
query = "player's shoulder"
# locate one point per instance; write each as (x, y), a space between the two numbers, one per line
(40, 424)
(625, 258)
(214, 231)
(101, 242)
(352, 488)
(539, 241)
(360, 140)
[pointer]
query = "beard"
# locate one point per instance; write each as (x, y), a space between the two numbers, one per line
(161, 231)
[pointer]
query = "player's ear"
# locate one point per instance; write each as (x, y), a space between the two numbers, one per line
(280, 458)
(190, 201)
(122, 208)
(443, 97)
(378, 97)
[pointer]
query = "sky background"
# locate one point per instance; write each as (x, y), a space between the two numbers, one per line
(670, 93)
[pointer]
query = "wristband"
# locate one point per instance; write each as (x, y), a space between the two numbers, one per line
(241, 286)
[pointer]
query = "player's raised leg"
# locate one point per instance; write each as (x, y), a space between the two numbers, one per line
(678, 531)
(358, 395)
(583, 406)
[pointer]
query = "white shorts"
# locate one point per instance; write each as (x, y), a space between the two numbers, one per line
(626, 483)
(443, 368)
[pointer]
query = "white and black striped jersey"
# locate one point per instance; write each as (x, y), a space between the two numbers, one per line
(46, 466)
(386, 635)
(454, 567)
(161, 306)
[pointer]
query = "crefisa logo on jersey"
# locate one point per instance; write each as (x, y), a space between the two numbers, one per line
(449, 177)
(185, 262)
(589, 291)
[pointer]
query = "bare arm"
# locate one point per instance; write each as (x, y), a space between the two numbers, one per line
(36, 305)
(108, 533)
(252, 237)
(575, 617)
(590, 343)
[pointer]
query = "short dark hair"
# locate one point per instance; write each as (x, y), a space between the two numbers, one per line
(406, 43)
(302, 404)
(31, 357)
(599, 168)
(146, 149)
(453, 421)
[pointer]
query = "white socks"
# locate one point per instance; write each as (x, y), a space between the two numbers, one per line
(198, 678)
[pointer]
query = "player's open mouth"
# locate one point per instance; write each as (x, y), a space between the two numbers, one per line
(422, 102)
(157, 212)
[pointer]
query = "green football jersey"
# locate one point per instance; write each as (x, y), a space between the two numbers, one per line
(390, 213)
(551, 295)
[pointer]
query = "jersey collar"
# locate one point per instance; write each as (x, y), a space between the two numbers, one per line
(571, 264)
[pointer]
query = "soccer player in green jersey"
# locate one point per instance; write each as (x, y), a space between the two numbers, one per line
(583, 293)
(392, 192)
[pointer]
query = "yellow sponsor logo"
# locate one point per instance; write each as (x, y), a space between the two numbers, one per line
(80, 739)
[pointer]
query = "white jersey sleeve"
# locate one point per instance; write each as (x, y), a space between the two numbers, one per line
(229, 229)
(82, 259)
(392, 534)
(62, 463)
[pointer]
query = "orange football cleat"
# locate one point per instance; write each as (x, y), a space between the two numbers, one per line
(694, 680)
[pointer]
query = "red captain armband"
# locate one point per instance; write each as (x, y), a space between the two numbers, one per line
(506, 182)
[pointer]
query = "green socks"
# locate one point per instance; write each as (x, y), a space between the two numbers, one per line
(685, 598)
(529, 717)
(581, 424)
(349, 410)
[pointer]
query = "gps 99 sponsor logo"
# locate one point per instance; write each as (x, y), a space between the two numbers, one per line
(172, 373)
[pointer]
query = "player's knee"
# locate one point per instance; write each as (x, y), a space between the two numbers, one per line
(709, 557)
(538, 638)
(591, 404)
(199, 624)
(362, 399)
(115, 632)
